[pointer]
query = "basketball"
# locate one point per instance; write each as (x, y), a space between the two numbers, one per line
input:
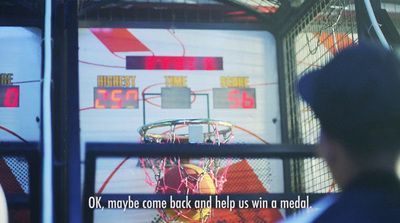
(190, 179)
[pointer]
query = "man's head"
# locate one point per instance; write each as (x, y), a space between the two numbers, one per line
(356, 97)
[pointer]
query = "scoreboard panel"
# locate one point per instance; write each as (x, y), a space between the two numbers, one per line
(216, 70)
(227, 75)
(20, 84)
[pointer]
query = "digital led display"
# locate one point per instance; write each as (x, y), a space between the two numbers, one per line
(175, 97)
(234, 98)
(115, 97)
(9, 96)
(173, 63)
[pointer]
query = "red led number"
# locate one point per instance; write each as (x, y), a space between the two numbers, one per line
(98, 100)
(247, 102)
(134, 94)
(11, 99)
(9, 96)
(209, 64)
(115, 98)
(233, 96)
(237, 96)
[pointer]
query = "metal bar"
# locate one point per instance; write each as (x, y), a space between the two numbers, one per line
(35, 185)
(94, 6)
(144, 105)
(47, 137)
(362, 21)
(194, 150)
(90, 173)
(144, 109)
(17, 148)
(167, 25)
(388, 27)
(20, 201)
(24, 22)
(208, 103)
(72, 153)
(283, 110)
(208, 107)
(282, 90)
(375, 24)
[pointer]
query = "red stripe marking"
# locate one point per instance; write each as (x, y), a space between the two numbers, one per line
(119, 40)
(241, 178)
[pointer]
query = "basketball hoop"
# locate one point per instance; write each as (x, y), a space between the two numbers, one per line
(205, 175)
(217, 131)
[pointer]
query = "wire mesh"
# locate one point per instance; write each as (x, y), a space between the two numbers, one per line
(14, 179)
(328, 27)
(243, 175)
(14, 176)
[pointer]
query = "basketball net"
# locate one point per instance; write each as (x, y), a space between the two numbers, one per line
(173, 175)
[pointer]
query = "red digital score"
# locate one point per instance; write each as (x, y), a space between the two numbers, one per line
(234, 98)
(116, 97)
(9, 96)
(173, 63)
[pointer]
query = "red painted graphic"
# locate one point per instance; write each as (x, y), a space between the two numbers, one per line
(119, 40)
(242, 179)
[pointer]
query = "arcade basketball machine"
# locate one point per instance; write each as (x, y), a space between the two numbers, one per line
(129, 110)
(176, 88)
(213, 100)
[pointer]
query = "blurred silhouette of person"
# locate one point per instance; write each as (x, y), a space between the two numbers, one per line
(356, 98)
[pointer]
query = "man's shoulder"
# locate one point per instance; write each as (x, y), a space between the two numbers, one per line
(364, 206)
